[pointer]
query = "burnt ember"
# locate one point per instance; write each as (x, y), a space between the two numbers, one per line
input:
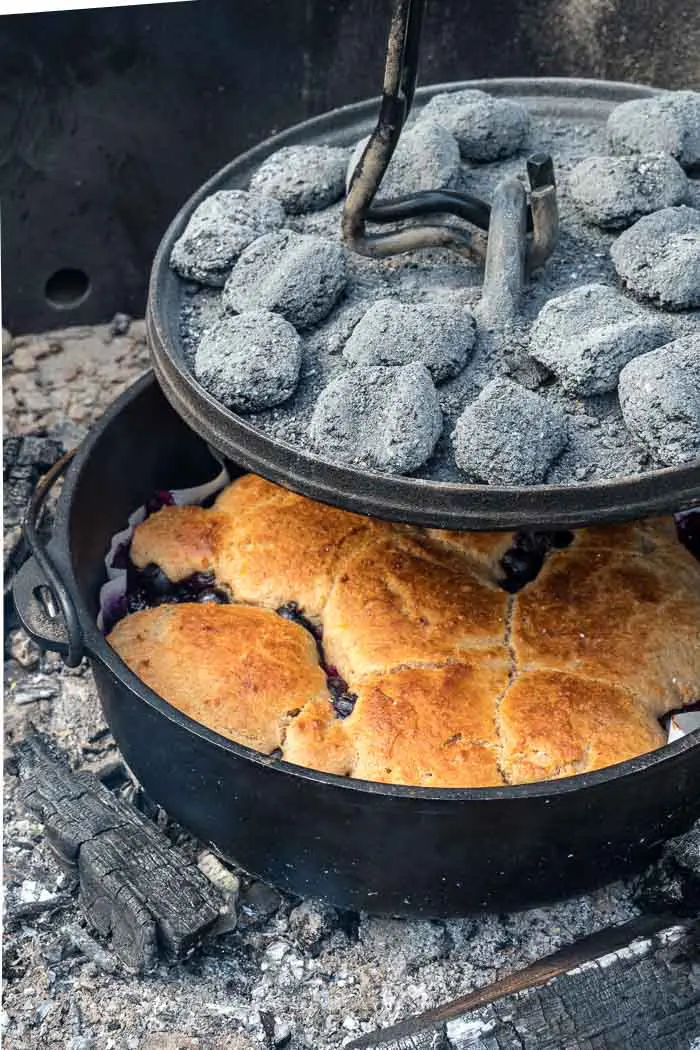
(523, 562)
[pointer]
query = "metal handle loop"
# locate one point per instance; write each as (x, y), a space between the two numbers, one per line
(59, 591)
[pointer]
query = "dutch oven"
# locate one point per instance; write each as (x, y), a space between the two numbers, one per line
(382, 848)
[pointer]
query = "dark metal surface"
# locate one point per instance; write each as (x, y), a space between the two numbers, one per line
(382, 848)
(110, 118)
(447, 505)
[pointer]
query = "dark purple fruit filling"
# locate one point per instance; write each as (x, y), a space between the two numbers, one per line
(291, 611)
(150, 587)
(342, 699)
(158, 500)
(522, 563)
(688, 528)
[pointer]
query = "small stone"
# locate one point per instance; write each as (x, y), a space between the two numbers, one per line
(23, 359)
(82, 1042)
(22, 649)
(311, 922)
(388, 419)
(585, 337)
(426, 158)
(31, 692)
(281, 1034)
(668, 123)
(485, 127)
(660, 400)
(219, 230)
(302, 178)
(300, 276)
(508, 436)
(250, 361)
(614, 192)
(439, 335)
(659, 258)
(6, 342)
(120, 324)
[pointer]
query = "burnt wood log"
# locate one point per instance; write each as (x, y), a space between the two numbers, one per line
(134, 885)
(646, 995)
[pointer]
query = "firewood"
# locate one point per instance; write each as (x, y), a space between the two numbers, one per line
(134, 885)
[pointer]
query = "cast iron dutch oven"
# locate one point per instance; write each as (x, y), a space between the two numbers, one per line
(386, 849)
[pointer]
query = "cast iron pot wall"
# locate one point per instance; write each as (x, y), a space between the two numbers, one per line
(385, 849)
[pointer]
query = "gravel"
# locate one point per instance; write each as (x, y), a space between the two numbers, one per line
(385, 418)
(440, 335)
(486, 128)
(489, 436)
(613, 192)
(302, 178)
(426, 158)
(249, 361)
(660, 400)
(218, 231)
(669, 123)
(300, 276)
(659, 258)
(586, 337)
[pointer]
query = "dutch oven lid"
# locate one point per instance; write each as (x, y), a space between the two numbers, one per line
(425, 502)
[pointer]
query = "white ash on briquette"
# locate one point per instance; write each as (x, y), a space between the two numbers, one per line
(426, 158)
(668, 123)
(659, 399)
(249, 361)
(385, 418)
(488, 438)
(613, 192)
(486, 128)
(218, 231)
(438, 334)
(300, 276)
(659, 258)
(302, 178)
(356, 327)
(586, 336)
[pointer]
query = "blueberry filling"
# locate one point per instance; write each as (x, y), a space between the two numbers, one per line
(342, 699)
(688, 529)
(159, 500)
(522, 563)
(149, 587)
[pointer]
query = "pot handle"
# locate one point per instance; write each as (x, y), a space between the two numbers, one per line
(59, 633)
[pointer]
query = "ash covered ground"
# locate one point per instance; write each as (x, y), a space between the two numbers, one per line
(290, 974)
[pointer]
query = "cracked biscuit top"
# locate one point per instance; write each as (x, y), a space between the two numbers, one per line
(414, 656)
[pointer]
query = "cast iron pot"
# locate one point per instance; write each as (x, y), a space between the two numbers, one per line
(386, 849)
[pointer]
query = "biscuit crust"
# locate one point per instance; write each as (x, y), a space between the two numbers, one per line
(457, 683)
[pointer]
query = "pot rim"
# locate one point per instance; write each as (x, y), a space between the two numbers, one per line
(99, 649)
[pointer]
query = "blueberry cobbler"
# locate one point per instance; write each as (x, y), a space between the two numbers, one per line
(407, 655)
